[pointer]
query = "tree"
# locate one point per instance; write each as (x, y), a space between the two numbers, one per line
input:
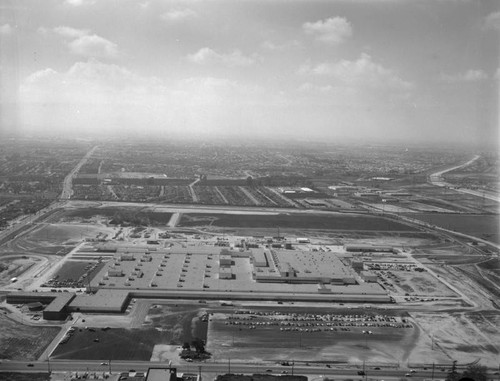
(453, 374)
(198, 345)
(476, 372)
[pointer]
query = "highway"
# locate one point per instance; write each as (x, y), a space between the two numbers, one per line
(68, 180)
(437, 180)
(215, 368)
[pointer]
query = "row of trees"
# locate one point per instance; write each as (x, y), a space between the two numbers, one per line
(475, 372)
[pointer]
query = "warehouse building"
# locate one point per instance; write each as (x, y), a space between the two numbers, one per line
(104, 300)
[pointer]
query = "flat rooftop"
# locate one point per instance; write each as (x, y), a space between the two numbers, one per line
(102, 299)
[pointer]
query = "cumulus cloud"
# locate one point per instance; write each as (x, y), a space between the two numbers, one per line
(85, 44)
(363, 72)
(334, 30)
(93, 46)
(69, 32)
(93, 96)
(6, 29)
(468, 76)
(178, 14)
(207, 56)
(492, 21)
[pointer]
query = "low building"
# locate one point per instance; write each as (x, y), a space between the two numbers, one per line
(369, 276)
(259, 258)
(115, 272)
(225, 273)
(225, 260)
(58, 309)
(104, 300)
(161, 374)
(127, 257)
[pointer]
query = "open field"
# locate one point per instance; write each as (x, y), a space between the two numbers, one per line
(305, 221)
(13, 266)
(164, 326)
(463, 336)
(116, 215)
(112, 344)
(23, 342)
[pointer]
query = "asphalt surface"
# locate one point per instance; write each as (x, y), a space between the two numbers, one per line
(218, 368)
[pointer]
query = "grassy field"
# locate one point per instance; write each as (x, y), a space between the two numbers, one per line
(113, 344)
(170, 325)
(22, 342)
(125, 213)
(305, 221)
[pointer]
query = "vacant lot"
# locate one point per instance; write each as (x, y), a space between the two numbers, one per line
(123, 215)
(22, 342)
(300, 221)
(164, 325)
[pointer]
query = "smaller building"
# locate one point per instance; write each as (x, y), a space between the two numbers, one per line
(225, 273)
(161, 374)
(369, 276)
(225, 260)
(113, 272)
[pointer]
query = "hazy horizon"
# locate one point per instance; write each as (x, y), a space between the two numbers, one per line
(339, 71)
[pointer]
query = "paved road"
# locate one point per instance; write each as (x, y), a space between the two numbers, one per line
(437, 180)
(68, 180)
(218, 368)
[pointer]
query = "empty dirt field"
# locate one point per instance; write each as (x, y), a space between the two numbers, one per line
(463, 336)
(23, 342)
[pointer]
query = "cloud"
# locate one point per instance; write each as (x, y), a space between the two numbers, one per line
(468, 76)
(78, 3)
(207, 56)
(334, 30)
(269, 45)
(85, 44)
(492, 21)
(363, 72)
(94, 96)
(93, 46)
(6, 29)
(178, 15)
(69, 32)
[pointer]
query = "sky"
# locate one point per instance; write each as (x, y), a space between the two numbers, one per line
(331, 70)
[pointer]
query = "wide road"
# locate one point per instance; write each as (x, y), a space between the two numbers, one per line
(68, 180)
(437, 180)
(217, 368)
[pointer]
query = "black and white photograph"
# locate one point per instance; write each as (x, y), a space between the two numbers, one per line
(249, 190)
